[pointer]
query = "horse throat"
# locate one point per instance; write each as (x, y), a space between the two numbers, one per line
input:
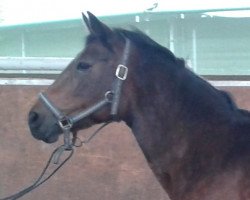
(163, 146)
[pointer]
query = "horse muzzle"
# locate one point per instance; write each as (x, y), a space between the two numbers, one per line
(43, 128)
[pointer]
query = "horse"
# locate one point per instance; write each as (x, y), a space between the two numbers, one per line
(193, 136)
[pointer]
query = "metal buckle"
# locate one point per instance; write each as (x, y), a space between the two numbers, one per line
(65, 123)
(121, 72)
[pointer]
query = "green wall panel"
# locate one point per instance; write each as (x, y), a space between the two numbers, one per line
(10, 43)
(217, 45)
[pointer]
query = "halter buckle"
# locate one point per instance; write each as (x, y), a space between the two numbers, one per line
(65, 123)
(121, 72)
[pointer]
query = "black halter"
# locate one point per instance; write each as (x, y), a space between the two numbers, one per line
(112, 97)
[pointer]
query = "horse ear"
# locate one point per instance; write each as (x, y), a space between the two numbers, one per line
(95, 26)
(86, 21)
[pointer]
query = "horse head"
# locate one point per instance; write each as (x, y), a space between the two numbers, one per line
(93, 75)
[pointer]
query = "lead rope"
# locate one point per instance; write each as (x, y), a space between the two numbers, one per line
(56, 154)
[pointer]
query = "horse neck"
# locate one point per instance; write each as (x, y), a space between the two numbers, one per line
(172, 110)
(155, 112)
(171, 98)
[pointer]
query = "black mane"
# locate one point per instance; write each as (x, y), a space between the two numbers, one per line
(147, 45)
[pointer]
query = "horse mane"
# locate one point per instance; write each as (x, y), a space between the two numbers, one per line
(148, 46)
(152, 48)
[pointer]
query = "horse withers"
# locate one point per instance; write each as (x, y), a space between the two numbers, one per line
(194, 137)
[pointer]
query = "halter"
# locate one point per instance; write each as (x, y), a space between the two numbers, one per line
(112, 97)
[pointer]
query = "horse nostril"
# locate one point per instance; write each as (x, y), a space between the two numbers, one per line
(33, 117)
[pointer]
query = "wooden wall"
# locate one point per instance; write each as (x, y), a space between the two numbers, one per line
(111, 167)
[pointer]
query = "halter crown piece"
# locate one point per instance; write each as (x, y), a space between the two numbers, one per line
(66, 122)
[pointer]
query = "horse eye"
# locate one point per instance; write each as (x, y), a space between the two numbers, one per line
(83, 66)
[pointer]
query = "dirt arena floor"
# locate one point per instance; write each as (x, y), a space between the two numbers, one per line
(111, 167)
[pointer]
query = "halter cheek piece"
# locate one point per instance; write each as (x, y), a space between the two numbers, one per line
(112, 97)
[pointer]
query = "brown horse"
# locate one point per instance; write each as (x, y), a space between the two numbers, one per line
(195, 139)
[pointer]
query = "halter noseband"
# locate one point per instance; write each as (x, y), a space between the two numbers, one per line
(112, 97)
